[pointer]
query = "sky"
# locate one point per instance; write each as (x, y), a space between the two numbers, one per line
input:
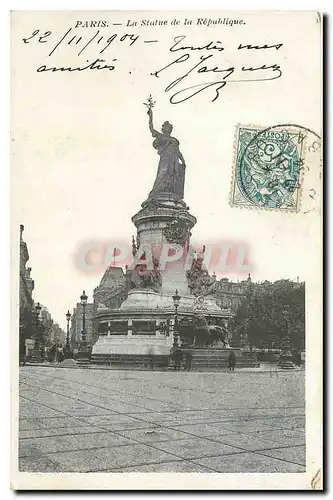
(82, 160)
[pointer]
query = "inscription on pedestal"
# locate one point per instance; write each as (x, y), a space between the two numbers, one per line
(143, 327)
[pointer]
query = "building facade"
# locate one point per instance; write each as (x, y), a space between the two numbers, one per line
(58, 336)
(26, 303)
(41, 328)
(229, 294)
(52, 333)
(77, 324)
(26, 282)
(111, 292)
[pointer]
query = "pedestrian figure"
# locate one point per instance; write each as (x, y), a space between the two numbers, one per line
(51, 354)
(75, 352)
(178, 358)
(60, 354)
(188, 361)
(232, 361)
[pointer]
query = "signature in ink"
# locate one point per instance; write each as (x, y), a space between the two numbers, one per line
(260, 73)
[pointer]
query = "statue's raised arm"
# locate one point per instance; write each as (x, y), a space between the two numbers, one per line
(150, 104)
(154, 132)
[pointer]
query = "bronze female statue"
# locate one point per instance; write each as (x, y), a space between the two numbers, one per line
(170, 176)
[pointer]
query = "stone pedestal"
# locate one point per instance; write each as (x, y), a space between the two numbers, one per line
(142, 327)
(285, 360)
(161, 223)
(144, 323)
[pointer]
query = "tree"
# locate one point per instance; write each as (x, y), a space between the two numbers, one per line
(25, 328)
(269, 312)
(40, 333)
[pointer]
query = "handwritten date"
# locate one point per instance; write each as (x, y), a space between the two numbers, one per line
(81, 42)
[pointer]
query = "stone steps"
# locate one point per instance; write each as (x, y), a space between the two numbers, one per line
(201, 360)
(218, 358)
(216, 362)
(129, 359)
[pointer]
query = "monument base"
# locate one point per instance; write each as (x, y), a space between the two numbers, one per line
(286, 363)
(216, 359)
(148, 354)
(132, 345)
(143, 326)
(123, 350)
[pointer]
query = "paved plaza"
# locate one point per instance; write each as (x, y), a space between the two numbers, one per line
(92, 420)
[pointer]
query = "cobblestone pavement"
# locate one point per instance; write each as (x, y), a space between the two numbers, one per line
(77, 420)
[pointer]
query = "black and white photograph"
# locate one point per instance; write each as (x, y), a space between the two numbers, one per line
(166, 173)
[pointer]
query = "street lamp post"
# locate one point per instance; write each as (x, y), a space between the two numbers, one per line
(176, 298)
(84, 299)
(286, 357)
(248, 322)
(68, 317)
(38, 309)
(83, 355)
(36, 356)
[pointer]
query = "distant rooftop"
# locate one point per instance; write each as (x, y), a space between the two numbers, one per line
(111, 276)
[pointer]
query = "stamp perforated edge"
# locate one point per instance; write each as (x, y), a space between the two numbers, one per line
(234, 164)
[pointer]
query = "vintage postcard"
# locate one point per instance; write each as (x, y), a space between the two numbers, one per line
(166, 235)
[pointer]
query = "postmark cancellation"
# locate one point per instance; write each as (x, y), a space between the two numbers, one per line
(270, 164)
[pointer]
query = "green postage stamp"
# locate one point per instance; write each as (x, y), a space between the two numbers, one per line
(269, 165)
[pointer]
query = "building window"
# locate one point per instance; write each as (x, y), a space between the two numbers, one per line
(141, 327)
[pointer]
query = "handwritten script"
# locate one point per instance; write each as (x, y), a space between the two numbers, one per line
(191, 69)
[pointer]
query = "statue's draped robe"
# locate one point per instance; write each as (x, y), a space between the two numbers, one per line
(170, 176)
